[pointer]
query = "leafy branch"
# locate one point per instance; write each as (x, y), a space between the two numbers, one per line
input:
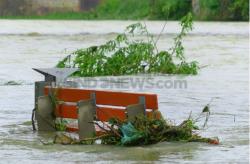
(129, 54)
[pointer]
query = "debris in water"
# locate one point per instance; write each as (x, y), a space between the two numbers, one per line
(144, 131)
(12, 83)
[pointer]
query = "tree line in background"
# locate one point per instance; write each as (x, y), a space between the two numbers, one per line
(218, 10)
(173, 9)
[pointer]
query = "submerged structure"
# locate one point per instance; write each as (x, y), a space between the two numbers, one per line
(117, 118)
(54, 102)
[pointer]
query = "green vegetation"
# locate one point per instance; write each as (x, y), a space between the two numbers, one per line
(169, 9)
(226, 10)
(129, 54)
(60, 124)
(129, 9)
(144, 131)
(149, 9)
(240, 10)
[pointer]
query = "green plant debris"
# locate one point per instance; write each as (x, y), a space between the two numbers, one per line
(145, 131)
(129, 54)
(61, 124)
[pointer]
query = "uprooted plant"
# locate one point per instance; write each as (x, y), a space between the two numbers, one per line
(129, 54)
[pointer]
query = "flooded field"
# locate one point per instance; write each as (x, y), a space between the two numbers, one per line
(222, 48)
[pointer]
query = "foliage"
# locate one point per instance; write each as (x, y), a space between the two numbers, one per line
(128, 54)
(240, 10)
(210, 9)
(169, 9)
(224, 10)
(129, 9)
(144, 131)
(61, 124)
(152, 9)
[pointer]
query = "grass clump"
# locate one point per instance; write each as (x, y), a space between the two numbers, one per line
(128, 54)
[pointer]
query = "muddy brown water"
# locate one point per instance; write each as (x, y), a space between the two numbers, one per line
(222, 47)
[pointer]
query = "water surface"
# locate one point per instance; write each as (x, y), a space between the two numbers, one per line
(221, 47)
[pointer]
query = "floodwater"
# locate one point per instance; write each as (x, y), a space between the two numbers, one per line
(222, 48)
